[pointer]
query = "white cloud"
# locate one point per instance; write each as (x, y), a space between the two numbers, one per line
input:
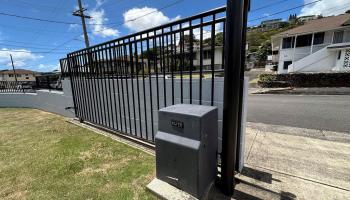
(50, 67)
(325, 7)
(98, 21)
(20, 57)
(73, 26)
(99, 3)
(137, 19)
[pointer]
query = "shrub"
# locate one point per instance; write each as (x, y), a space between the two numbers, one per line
(305, 80)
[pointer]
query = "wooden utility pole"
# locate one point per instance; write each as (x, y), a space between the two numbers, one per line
(13, 68)
(80, 13)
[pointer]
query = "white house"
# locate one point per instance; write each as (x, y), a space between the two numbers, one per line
(207, 53)
(321, 45)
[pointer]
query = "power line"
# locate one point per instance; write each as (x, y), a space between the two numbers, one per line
(268, 5)
(155, 11)
(22, 42)
(42, 19)
(283, 11)
(38, 19)
(28, 29)
(76, 37)
(38, 52)
(24, 46)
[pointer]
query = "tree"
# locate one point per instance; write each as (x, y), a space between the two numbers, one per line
(219, 38)
(293, 18)
(186, 40)
(348, 11)
(264, 50)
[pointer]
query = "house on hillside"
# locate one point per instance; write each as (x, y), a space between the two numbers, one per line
(321, 45)
(21, 74)
(272, 24)
(307, 18)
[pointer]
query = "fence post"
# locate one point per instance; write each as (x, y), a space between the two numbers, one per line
(69, 67)
(232, 90)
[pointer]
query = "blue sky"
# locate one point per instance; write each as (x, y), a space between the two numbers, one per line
(29, 41)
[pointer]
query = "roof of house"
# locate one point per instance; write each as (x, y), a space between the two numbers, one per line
(318, 25)
(18, 71)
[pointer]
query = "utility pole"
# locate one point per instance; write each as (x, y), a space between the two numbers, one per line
(80, 13)
(13, 68)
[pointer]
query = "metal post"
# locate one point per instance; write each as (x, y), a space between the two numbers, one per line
(232, 90)
(243, 57)
(13, 68)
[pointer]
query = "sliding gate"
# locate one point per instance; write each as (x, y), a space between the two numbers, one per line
(120, 85)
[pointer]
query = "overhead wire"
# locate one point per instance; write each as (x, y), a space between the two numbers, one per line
(174, 3)
(283, 11)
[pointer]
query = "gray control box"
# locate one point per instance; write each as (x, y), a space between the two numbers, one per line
(186, 147)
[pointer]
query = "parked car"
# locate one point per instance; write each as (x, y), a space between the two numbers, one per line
(56, 85)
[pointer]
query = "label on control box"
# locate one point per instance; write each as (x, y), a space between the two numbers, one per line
(177, 124)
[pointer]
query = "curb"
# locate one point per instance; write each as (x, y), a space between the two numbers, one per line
(291, 91)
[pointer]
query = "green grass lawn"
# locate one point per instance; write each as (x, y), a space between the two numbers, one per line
(44, 157)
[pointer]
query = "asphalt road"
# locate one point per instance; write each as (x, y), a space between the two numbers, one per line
(321, 112)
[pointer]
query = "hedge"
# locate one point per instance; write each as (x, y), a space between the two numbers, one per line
(305, 80)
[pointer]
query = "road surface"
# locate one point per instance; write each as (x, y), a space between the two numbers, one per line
(321, 112)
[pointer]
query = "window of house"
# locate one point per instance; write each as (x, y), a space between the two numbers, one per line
(338, 37)
(19, 75)
(11, 75)
(304, 40)
(207, 54)
(288, 42)
(286, 64)
(319, 38)
(26, 74)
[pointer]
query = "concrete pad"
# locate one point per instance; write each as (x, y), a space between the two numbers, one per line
(288, 166)
(164, 190)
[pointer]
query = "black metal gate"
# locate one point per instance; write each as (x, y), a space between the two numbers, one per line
(121, 84)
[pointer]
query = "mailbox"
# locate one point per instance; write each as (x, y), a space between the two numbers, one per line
(186, 147)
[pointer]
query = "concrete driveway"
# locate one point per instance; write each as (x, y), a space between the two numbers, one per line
(292, 165)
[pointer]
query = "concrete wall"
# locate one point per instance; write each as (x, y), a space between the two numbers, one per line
(51, 101)
(339, 64)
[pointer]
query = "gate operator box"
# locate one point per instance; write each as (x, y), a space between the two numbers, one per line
(186, 147)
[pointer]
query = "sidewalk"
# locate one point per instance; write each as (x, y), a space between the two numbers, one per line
(291, 165)
(285, 163)
(302, 91)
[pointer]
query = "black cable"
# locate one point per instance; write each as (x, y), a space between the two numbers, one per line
(313, 2)
(38, 19)
(268, 5)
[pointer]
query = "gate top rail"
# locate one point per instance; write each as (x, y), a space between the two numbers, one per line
(162, 27)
